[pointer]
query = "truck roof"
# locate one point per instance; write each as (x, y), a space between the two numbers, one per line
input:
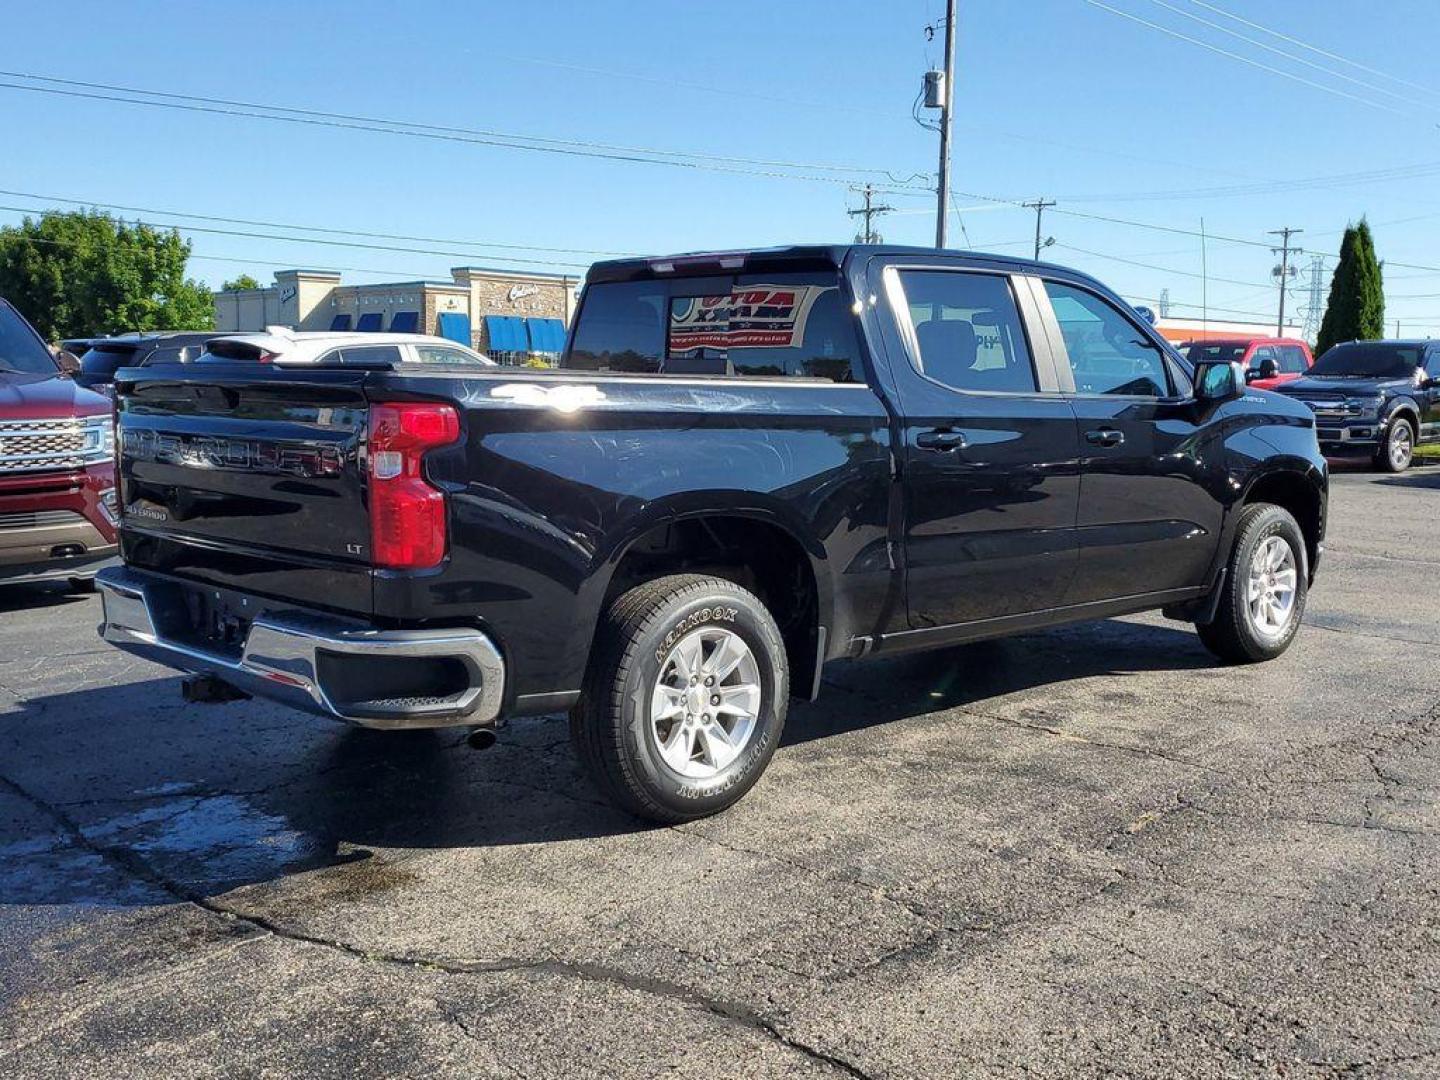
(779, 259)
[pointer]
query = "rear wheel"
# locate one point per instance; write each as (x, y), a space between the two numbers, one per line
(1399, 447)
(685, 699)
(1263, 597)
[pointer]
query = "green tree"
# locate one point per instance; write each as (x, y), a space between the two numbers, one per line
(1356, 308)
(241, 283)
(78, 273)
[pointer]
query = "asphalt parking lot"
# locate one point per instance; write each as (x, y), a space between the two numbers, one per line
(1089, 851)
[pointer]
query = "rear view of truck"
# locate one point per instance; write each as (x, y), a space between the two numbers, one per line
(260, 509)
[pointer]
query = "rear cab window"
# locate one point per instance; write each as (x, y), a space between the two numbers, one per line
(102, 361)
(765, 325)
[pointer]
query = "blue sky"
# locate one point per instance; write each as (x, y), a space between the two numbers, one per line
(1060, 98)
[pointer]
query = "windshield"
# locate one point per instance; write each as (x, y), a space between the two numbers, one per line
(20, 349)
(1369, 360)
(1227, 352)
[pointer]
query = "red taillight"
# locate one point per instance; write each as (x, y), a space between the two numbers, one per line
(407, 515)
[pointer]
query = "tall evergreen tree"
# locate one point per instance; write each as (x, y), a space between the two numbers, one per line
(1356, 308)
(81, 273)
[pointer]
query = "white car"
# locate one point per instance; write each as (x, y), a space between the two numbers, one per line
(323, 348)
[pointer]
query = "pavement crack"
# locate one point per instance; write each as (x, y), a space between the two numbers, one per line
(1071, 736)
(915, 910)
(134, 865)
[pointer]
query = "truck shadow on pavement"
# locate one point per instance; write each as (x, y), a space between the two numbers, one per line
(122, 795)
(1429, 478)
(29, 597)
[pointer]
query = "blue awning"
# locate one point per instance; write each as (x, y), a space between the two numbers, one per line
(340, 322)
(455, 326)
(546, 335)
(405, 322)
(370, 322)
(505, 333)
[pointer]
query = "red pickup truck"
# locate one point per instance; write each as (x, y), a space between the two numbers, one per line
(1268, 361)
(57, 465)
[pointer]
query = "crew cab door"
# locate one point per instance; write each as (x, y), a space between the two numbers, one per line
(989, 459)
(1149, 513)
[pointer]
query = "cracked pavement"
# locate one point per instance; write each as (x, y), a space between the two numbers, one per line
(1084, 852)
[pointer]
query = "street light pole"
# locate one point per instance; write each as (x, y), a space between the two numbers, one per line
(942, 192)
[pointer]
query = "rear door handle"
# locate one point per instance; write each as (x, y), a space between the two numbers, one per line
(1105, 437)
(940, 439)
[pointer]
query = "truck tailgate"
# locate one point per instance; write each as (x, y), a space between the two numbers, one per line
(248, 478)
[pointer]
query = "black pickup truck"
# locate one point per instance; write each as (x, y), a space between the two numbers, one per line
(749, 463)
(1375, 399)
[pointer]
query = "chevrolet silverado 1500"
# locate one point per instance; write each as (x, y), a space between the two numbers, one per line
(749, 464)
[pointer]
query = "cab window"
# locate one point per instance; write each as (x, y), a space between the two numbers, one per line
(769, 325)
(968, 332)
(1108, 352)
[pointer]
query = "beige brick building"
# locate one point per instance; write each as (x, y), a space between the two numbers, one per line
(501, 312)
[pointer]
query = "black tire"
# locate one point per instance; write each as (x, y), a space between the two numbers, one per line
(1398, 449)
(1234, 635)
(611, 728)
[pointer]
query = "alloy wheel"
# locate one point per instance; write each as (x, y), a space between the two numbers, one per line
(1270, 592)
(705, 706)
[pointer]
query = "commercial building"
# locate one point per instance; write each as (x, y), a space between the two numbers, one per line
(506, 314)
(1177, 331)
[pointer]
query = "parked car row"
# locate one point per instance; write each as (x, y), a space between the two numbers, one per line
(1371, 399)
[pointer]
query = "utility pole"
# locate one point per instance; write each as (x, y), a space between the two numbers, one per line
(1284, 251)
(1039, 206)
(869, 212)
(943, 190)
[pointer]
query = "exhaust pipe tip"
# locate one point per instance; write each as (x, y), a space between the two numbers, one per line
(481, 738)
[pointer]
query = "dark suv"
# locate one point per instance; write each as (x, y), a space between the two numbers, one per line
(1375, 398)
(105, 356)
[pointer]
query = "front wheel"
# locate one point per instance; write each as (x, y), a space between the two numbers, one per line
(1263, 597)
(685, 699)
(1399, 448)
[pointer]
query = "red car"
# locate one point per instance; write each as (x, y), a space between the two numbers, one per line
(1269, 361)
(57, 465)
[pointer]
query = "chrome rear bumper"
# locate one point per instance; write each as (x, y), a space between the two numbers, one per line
(301, 658)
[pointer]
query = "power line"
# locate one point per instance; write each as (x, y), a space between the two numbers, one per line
(1311, 48)
(1244, 59)
(1162, 269)
(537, 144)
(1290, 56)
(182, 227)
(314, 228)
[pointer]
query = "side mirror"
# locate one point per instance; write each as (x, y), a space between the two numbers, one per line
(1218, 380)
(68, 361)
(1269, 368)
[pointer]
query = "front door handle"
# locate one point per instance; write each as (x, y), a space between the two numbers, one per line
(1105, 437)
(940, 439)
